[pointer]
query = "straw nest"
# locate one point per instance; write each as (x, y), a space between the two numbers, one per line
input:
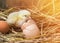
(49, 29)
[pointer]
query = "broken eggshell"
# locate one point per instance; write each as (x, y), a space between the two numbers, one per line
(30, 29)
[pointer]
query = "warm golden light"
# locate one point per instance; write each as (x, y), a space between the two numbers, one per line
(46, 13)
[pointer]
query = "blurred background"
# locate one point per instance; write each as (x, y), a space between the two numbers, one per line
(45, 6)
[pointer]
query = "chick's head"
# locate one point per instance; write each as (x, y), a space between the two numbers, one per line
(23, 16)
(24, 13)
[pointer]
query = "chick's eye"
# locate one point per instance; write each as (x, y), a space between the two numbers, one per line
(25, 15)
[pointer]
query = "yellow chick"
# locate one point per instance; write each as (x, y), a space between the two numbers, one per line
(22, 17)
(18, 18)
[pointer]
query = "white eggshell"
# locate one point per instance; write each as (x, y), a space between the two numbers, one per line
(31, 31)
